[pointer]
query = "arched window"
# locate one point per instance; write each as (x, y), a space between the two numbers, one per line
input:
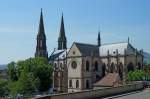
(96, 66)
(103, 69)
(87, 66)
(70, 83)
(120, 70)
(61, 66)
(77, 83)
(55, 66)
(97, 78)
(87, 84)
(130, 67)
(112, 67)
(41, 43)
(139, 66)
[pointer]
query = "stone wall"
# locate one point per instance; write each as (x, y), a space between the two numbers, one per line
(97, 93)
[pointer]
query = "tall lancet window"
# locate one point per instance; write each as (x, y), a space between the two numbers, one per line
(40, 43)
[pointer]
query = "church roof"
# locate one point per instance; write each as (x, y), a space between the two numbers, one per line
(58, 54)
(115, 48)
(87, 49)
(90, 49)
(63, 54)
(110, 80)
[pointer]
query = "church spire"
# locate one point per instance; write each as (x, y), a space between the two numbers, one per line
(128, 40)
(41, 49)
(62, 42)
(62, 29)
(99, 39)
(41, 25)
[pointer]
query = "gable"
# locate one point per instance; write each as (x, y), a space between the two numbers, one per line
(130, 49)
(74, 51)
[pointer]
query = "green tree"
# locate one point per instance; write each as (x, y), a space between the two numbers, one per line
(137, 75)
(34, 72)
(44, 73)
(25, 85)
(3, 88)
(12, 71)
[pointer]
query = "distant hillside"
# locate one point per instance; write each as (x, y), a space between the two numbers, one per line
(146, 57)
(2, 67)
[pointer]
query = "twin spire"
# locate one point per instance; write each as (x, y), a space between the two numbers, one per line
(41, 48)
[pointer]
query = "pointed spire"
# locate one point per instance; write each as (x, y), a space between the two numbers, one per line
(128, 40)
(62, 42)
(41, 48)
(99, 39)
(41, 25)
(62, 29)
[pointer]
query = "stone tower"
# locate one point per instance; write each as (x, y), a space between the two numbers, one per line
(99, 39)
(41, 49)
(62, 41)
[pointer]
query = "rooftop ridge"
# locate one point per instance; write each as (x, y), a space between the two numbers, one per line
(85, 43)
(113, 43)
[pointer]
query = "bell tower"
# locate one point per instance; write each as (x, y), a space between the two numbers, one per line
(41, 49)
(62, 40)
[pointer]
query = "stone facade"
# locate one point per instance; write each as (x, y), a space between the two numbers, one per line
(85, 65)
(81, 66)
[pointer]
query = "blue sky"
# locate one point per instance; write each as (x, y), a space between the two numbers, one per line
(117, 19)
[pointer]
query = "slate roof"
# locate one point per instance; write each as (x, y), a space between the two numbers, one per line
(87, 49)
(113, 48)
(58, 54)
(91, 49)
(63, 54)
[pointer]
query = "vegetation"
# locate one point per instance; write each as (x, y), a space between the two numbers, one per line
(147, 68)
(29, 76)
(3, 88)
(25, 85)
(137, 75)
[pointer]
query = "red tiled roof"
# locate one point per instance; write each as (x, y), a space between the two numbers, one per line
(110, 80)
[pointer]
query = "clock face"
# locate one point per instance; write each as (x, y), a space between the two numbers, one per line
(74, 65)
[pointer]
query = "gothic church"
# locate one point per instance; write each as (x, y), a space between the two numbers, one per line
(83, 66)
